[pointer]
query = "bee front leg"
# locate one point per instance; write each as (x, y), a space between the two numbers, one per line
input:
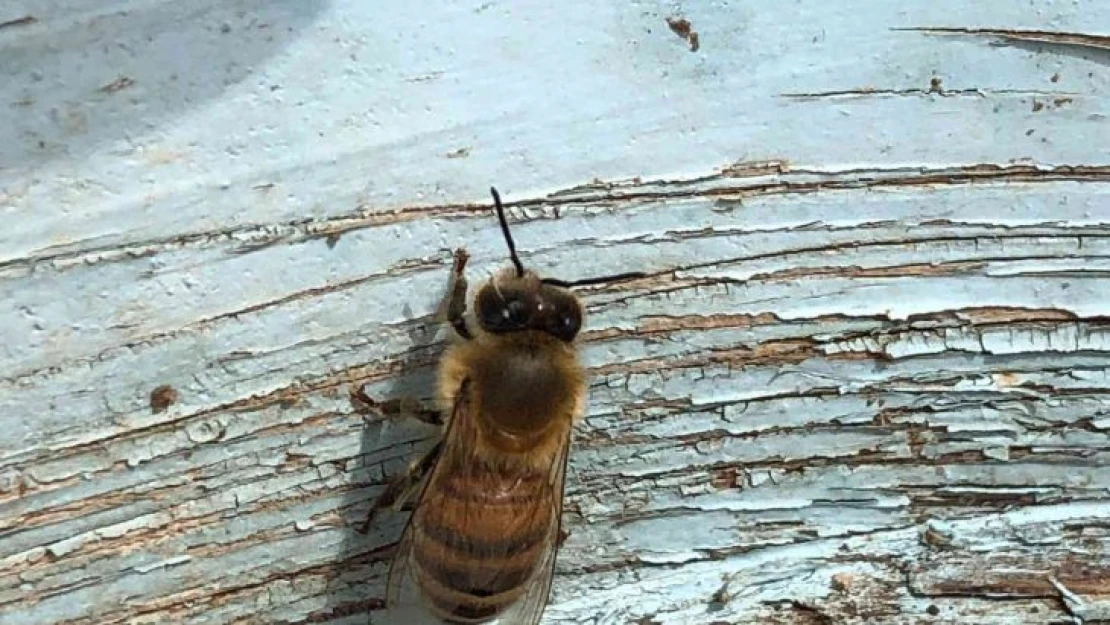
(402, 486)
(454, 304)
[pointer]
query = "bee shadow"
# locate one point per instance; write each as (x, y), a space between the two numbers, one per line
(388, 445)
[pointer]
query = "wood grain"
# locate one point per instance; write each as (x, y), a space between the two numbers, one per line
(867, 380)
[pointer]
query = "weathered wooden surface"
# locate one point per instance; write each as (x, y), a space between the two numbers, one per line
(869, 381)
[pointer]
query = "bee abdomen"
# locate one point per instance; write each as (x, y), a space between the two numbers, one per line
(456, 606)
(475, 566)
(476, 551)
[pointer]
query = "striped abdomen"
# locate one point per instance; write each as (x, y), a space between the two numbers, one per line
(478, 535)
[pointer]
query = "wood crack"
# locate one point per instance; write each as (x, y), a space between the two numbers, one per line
(871, 92)
(795, 181)
(1080, 40)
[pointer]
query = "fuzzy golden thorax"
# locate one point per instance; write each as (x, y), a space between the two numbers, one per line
(522, 388)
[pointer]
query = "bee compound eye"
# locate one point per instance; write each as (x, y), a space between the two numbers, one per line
(514, 311)
(569, 324)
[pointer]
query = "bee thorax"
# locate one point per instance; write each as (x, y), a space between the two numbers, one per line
(522, 393)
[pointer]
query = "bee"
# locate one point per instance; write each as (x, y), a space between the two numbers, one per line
(483, 536)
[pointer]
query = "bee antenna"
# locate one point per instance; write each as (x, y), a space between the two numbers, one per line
(619, 277)
(505, 231)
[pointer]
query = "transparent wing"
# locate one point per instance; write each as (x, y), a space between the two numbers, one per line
(528, 610)
(403, 602)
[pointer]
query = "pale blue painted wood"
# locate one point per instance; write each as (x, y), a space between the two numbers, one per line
(869, 377)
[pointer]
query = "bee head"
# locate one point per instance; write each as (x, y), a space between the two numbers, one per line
(516, 303)
(520, 300)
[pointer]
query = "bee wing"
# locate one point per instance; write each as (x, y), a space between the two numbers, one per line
(403, 603)
(529, 608)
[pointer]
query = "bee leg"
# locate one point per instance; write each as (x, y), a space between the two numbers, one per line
(454, 304)
(431, 416)
(402, 486)
(404, 407)
(409, 408)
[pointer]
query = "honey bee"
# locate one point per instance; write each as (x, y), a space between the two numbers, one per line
(482, 539)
